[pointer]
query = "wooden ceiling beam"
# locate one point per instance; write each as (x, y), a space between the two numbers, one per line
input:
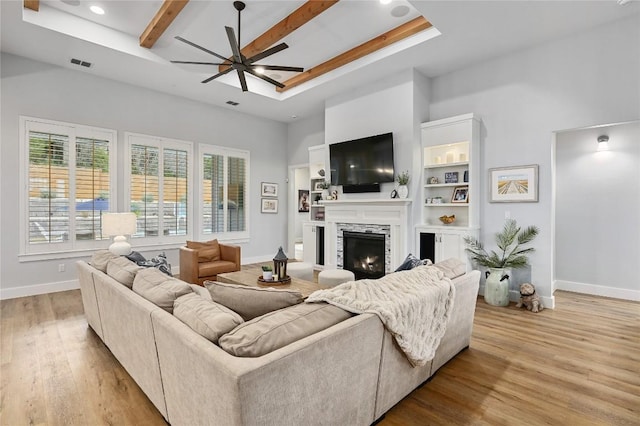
(289, 24)
(399, 33)
(161, 21)
(32, 4)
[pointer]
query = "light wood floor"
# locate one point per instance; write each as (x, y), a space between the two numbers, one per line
(576, 365)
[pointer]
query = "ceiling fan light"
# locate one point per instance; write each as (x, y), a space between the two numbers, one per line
(259, 70)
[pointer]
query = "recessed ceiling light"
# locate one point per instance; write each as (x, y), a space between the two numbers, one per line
(399, 11)
(385, 1)
(294, 116)
(97, 10)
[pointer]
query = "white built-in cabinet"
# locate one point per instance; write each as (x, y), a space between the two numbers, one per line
(313, 229)
(450, 186)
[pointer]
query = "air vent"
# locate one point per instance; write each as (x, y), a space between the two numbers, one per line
(232, 103)
(81, 63)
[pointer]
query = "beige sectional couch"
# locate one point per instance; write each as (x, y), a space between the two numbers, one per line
(349, 373)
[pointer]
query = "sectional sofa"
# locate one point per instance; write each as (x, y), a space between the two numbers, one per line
(349, 373)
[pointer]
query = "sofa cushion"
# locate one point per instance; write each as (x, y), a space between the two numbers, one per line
(208, 251)
(209, 319)
(123, 270)
(201, 291)
(251, 302)
(411, 262)
(159, 289)
(452, 267)
(101, 258)
(280, 328)
(210, 269)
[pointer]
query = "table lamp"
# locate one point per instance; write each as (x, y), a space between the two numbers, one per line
(118, 225)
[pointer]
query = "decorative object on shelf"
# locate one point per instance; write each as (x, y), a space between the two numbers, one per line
(303, 201)
(460, 194)
(465, 178)
(118, 225)
(449, 157)
(269, 205)
(321, 172)
(529, 299)
(269, 189)
(323, 186)
(514, 184)
(280, 265)
(403, 180)
(510, 241)
(433, 180)
(267, 273)
(462, 157)
(451, 177)
(447, 220)
(334, 194)
(317, 198)
(394, 194)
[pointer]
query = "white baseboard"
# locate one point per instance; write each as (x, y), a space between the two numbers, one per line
(598, 290)
(34, 290)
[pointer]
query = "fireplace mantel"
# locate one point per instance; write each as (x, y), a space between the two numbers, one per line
(393, 212)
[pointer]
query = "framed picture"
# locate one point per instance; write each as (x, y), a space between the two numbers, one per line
(269, 189)
(451, 177)
(269, 205)
(303, 201)
(460, 194)
(318, 186)
(514, 184)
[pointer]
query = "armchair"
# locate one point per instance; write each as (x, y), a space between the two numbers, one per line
(204, 261)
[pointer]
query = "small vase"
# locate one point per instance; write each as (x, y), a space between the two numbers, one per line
(496, 287)
(267, 275)
(403, 191)
(325, 194)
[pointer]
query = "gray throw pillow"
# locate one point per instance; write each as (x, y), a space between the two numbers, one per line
(411, 262)
(123, 270)
(251, 302)
(159, 289)
(277, 329)
(207, 318)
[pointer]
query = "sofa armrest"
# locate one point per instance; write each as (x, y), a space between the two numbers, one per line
(188, 265)
(230, 253)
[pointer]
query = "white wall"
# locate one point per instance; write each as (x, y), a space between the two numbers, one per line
(597, 216)
(40, 90)
(590, 78)
(302, 134)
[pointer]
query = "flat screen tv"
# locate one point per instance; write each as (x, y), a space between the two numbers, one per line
(364, 161)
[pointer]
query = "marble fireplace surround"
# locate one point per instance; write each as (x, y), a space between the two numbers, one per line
(388, 216)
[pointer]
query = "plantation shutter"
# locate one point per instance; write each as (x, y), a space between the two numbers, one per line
(175, 192)
(144, 187)
(92, 187)
(213, 193)
(236, 190)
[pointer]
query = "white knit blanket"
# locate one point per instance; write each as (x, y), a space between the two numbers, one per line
(413, 305)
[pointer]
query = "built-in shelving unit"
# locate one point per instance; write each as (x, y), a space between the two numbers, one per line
(313, 230)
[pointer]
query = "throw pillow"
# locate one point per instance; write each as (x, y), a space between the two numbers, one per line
(251, 302)
(207, 252)
(452, 268)
(101, 258)
(411, 262)
(136, 257)
(207, 318)
(159, 289)
(277, 329)
(122, 270)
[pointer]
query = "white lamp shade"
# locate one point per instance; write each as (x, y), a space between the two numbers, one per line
(118, 225)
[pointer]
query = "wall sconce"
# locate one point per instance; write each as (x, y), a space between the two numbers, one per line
(119, 225)
(603, 143)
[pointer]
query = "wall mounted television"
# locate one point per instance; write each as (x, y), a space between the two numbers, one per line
(362, 163)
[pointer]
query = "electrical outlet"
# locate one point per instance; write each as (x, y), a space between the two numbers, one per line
(61, 267)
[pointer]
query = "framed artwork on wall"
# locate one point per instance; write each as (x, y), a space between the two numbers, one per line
(518, 184)
(269, 189)
(269, 205)
(303, 201)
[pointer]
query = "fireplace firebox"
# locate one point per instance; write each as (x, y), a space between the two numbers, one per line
(364, 254)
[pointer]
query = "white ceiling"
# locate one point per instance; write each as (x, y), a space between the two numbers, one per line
(471, 32)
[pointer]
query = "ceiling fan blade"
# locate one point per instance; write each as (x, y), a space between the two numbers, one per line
(265, 78)
(221, 73)
(280, 68)
(199, 63)
(201, 48)
(243, 81)
(268, 52)
(234, 44)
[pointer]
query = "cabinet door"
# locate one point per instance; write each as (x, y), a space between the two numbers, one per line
(451, 245)
(309, 243)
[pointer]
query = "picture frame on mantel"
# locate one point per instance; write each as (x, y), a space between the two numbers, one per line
(518, 184)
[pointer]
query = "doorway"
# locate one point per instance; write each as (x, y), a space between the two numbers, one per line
(298, 184)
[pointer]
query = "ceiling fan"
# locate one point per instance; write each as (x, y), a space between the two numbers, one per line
(238, 61)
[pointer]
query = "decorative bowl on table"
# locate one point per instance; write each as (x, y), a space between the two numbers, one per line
(447, 220)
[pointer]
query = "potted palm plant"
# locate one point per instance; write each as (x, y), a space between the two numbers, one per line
(511, 254)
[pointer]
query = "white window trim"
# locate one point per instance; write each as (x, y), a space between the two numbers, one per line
(162, 143)
(72, 247)
(227, 236)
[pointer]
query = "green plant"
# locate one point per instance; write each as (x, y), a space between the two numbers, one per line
(510, 241)
(403, 178)
(325, 185)
(267, 268)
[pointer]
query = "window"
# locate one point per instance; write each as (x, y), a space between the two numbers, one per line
(225, 187)
(68, 184)
(159, 176)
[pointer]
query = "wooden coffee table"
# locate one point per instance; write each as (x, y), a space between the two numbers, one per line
(249, 276)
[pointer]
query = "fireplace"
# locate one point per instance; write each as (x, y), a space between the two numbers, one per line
(364, 254)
